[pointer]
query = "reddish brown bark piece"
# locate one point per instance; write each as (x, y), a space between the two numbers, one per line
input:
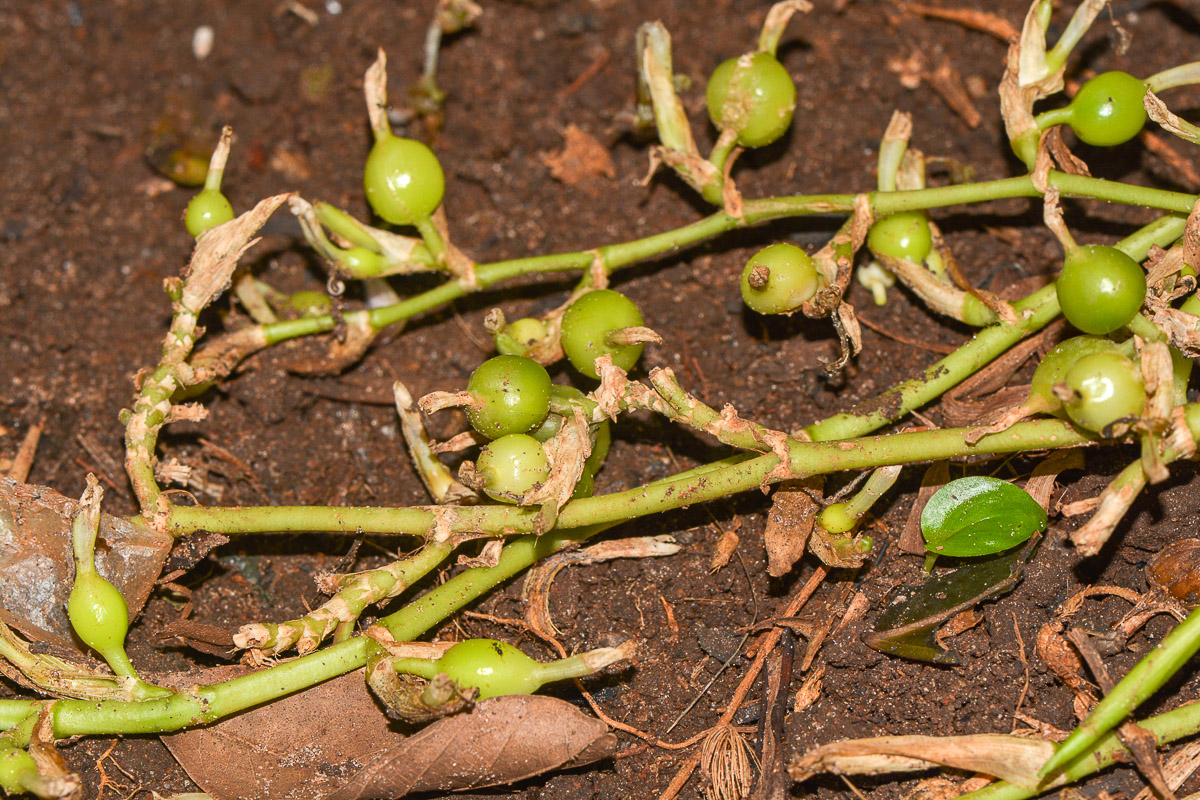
(36, 561)
(333, 742)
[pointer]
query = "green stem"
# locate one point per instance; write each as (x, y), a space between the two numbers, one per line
(876, 485)
(433, 239)
(1035, 312)
(1166, 728)
(719, 480)
(1146, 678)
(346, 226)
(1182, 75)
(1054, 116)
(1146, 329)
(756, 212)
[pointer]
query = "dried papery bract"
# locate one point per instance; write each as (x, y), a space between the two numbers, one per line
(434, 474)
(678, 149)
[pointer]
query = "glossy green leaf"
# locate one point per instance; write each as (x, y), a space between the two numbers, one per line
(979, 515)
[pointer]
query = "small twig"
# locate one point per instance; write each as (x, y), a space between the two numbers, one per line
(768, 643)
(22, 462)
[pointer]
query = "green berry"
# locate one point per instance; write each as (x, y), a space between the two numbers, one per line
(310, 302)
(493, 667)
(587, 323)
(403, 180)
(752, 95)
(1100, 288)
(518, 336)
(837, 518)
(511, 466)
(553, 421)
(1191, 305)
(1108, 387)
(1054, 367)
(904, 235)
(779, 279)
(208, 209)
(1108, 110)
(99, 614)
(361, 262)
(510, 394)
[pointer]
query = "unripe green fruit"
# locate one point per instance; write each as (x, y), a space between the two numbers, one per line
(208, 209)
(904, 235)
(518, 336)
(1108, 387)
(550, 425)
(361, 262)
(779, 279)
(1100, 288)
(752, 95)
(511, 466)
(310, 301)
(837, 518)
(587, 479)
(511, 394)
(98, 613)
(16, 767)
(1054, 367)
(587, 323)
(1108, 110)
(1191, 305)
(493, 667)
(403, 180)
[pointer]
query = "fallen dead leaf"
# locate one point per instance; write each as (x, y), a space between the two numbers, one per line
(1010, 758)
(38, 569)
(790, 523)
(334, 743)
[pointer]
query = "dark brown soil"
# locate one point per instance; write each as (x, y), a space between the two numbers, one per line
(89, 232)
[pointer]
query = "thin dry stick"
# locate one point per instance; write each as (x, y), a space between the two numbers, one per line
(737, 650)
(768, 644)
(1025, 663)
(22, 462)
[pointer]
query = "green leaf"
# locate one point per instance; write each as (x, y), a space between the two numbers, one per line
(908, 627)
(979, 515)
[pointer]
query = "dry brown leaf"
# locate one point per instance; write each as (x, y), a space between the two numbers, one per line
(38, 569)
(332, 742)
(582, 158)
(789, 524)
(1011, 758)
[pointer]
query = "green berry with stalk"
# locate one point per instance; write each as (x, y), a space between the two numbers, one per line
(403, 179)
(309, 302)
(508, 394)
(753, 96)
(1054, 367)
(905, 234)
(779, 279)
(1100, 288)
(210, 208)
(496, 668)
(518, 336)
(595, 325)
(97, 610)
(1104, 388)
(512, 465)
(1108, 110)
